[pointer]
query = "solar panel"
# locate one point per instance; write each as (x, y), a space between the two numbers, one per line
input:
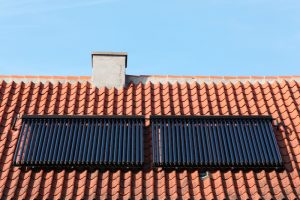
(214, 142)
(80, 140)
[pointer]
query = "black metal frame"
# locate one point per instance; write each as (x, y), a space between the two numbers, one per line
(65, 130)
(211, 117)
(129, 165)
(163, 146)
(83, 117)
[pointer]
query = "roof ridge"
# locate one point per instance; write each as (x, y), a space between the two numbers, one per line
(218, 77)
(46, 76)
(156, 76)
(154, 79)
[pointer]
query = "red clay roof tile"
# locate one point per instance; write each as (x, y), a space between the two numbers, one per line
(279, 99)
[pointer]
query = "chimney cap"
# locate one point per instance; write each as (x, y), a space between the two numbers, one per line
(109, 53)
(103, 53)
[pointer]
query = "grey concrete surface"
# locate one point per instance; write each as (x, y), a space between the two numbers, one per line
(109, 69)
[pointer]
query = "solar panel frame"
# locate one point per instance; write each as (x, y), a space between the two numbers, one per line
(215, 142)
(80, 141)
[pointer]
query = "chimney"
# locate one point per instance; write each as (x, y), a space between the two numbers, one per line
(109, 69)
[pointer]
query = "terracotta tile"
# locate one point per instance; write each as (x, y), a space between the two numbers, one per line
(280, 100)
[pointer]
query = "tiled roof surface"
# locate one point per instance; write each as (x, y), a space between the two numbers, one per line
(44, 79)
(279, 99)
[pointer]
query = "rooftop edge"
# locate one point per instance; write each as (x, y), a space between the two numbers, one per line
(150, 78)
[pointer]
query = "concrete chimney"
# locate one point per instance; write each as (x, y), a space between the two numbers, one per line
(109, 69)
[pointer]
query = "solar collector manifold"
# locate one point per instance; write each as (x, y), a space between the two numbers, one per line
(214, 142)
(96, 141)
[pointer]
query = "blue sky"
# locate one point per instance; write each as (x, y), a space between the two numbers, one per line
(191, 37)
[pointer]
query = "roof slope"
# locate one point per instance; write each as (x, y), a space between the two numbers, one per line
(281, 100)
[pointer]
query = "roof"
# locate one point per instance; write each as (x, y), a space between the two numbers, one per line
(281, 99)
(44, 79)
(136, 79)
